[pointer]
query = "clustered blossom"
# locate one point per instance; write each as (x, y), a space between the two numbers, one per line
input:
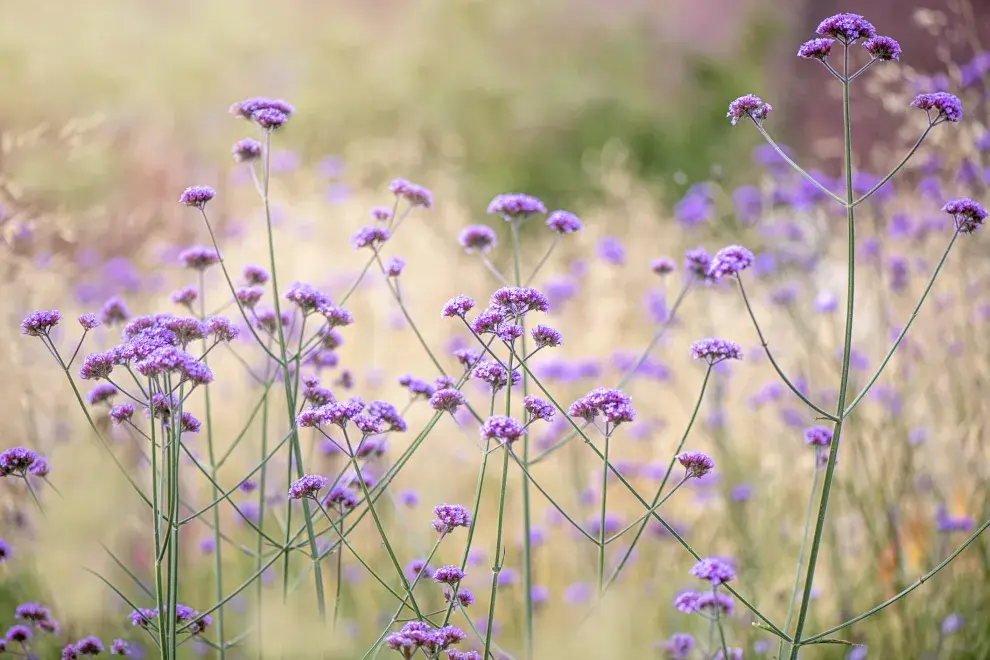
(307, 297)
(948, 106)
(715, 570)
(751, 106)
(545, 336)
(818, 436)
(40, 323)
(417, 635)
(457, 306)
(340, 498)
(495, 375)
(697, 262)
(538, 408)
(515, 205)
(517, 300)
(816, 49)
(199, 257)
(121, 413)
(447, 400)
(448, 575)
(884, 49)
(16, 461)
(102, 393)
(417, 386)
(380, 213)
(614, 404)
(967, 214)
(730, 260)
(184, 614)
(88, 321)
(713, 350)
(847, 28)
(502, 428)
(449, 516)
(564, 222)
(370, 237)
(255, 275)
(336, 316)
(247, 108)
(691, 602)
(696, 463)
(246, 150)
(184, 296)
(395, 266)
(663, 266)
(678, 647)
(307, 486)
(197, 196)
(269, 118)
(416, 195)
(222, 329)
(477, 238)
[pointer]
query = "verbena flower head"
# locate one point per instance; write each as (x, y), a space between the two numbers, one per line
(101, 393)
(715, 570)
(395, 266)
(751, 106)
(370, 237)
(847, 28)
(696, 463)
(416, 195)
(255, 275)
(89, 646)
(517, 300)
(32, 612)
(449, 516)
(477, 238)
(270, 119)
(948, 107)
(448, 575)
(88, 321)
(564, 222)
(18, 633)
(489, 321)
(818, 436)
(730, 260)
(246, 150)
(610, 250)
(120, 647)
(884, 49)
(199, 257)
(467, 357)
(184, 296)
(713, 350)
(114, 311)
(457, 306)
(538, 408)
(340, 498)
(967, 214)
(307, 297)
(512, 206)
(197, 196)
(222, 329)
(678, 647)
(16, 460)
(546, 337)
(502, 428)
(417, 386)
(816, 49)
(663, 266)
(454, 654)
(447, 400)
(614, 404)
(697, 262)
(307, 486)
(40, 323)
(97, 365)
(380, 213)
(246, 108)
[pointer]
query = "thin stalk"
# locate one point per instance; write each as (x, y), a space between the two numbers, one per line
(601, 531)
(156, 508)
(718, 624)
(897, 169)
(804, 544)
(497, 566)
(844, 381)
(797, 168)
(539, 264)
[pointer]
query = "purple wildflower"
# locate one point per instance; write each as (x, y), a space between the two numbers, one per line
(818, 436)
(713, 350)
(515, 205)
(696, 463)
(414, 194)
(197, 196)
(18, 633)
(16, 460)
(457, 306)
(564, 222)
(610, 250)
(246, 108)
(517, 300)
(255, 275)
(101, 393)
(465, 597)
(697, 263)
(477, 238)
(307, 297)
(336, 316)
(114, 311)
(269, 119)
(89, 646)
(713, 569)
(40, 323)
(467, 357)
(119, 647)
(816, 49)
(448, 575)
(381, 213)
(394, 266)
(246, 150)
(488, 321)
(967, 214)
(372, 237)
(199, 257)
(614, 404)
(545, 336)
(184, 296)
(952, 623)
(449, 516)
(730, 260)
(222, 329)
(307, 486)
(538, 408)
(949, 106)
(88, 321)
(847, 28)
(884, 49)
(748, 106)
(663, 266)
(32, 612)
(447, 400)
(341, 498)
(502, 428)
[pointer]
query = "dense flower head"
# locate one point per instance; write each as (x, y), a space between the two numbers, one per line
(40, 323)
(372, 237)
(713, 350)
(477, 238)
(678, 647)
(696, 463)
(18, 633)
(336, 316)
(538, 408)
(751, 106)
(564, 222)
(415, 194)
(449, 516)
(509, 332)
(395, 266)
(121, 413)
(417, 386)
(185, 296)
(120, 647)
(255, 275)
(884, 49)
(184, 328)
(443, 382)
(614, 404)
(388, 414)
(16, 460)
(169, 359)
(270, 119)
(816, 49)
(948, 106)
(495, 375)
(967, 214)
(340, 498)
(465, 597)
(502, 428)
(88, 321)
(454, 654)
(266, 320)
(690, 602)
(199, 257)
(447, 400)
(307, 297)
(697, 262)
(97, 365)
(730, 260)
(101, 393)
(380, 213)
(246, 108)
(663, 266)
(197, 196)
(32, 612)
(489, 321)
(715, 570)
(457, 306)
(546, 337)
(449, 574)
(847, 28)
(307, 486)
(222, 329)
(467, 357)
(89, 646)
(515, 205)
(246, 150)
(517, 300)
(818, 436)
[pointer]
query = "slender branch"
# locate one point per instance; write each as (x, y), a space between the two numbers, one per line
(896, 169)
(797, 167)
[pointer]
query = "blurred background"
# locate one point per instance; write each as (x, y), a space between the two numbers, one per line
(612, 108)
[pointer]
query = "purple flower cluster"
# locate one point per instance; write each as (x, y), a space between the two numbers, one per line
(816, 49)
(457, 306)
(696, 463)
(947, 106)
(512, 206)
(449, 516)
(613, 404)
(538, 408)
(564, 222)
(715, 570)
(40, 323)
(730, 260)
(546, 337)
(184, 616)
(18, 461)
(818, 436)
(477, 238)
(713, 350)
(417, 635)
(199, 257)
(197, 196)
(416, 195)
(751, 106)
(246, 150)
(847, 28)
(502, 428)
(691, 602)
(307, 486)
(967, 214)
(884, 49)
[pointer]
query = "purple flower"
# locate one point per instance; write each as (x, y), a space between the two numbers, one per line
(340, 498)
(32, 612)
(816, 49)
(119, 647)
(248, 107)
(197, 196)
(952, 623)
(372, 237)
(184, 296)
(663, 266)
(89, 646)
(199, 257)
(412, 193)
(713, 569)
(18, 633)
(538, 408)
(502, 428)
(713, 350)
(696, 463)
(884, 49)
(394, 266)
(477, 238)
(545, 336)
(40, 323)
(16, 460)
(246, 150)
(307, 486)
(825, 302)
(269, 119)
(614, 404)
(454, 654)
(847, 28)
(255, 275)
(307, 297)
(610, 250)
(696, 264)
(114, 311)
(949, 107)
(818, 436)
(967, 214)
(101, 393)
(449, 516)
(515, 205)
(457, 306)
(88, 321)
(564, 222)
(748, 106)
(447, 400)
(678, 647)
(517, 300)
(222, 329)
(448, 575)
(730, 260)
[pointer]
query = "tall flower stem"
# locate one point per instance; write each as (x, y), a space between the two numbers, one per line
(844, 380)
(804, 545)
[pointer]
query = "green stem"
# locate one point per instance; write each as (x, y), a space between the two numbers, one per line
(601, 531)
(718, 624)
(897, 169)
(497, 566)
(804, 544)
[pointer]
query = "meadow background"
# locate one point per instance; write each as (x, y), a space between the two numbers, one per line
(614, 110)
